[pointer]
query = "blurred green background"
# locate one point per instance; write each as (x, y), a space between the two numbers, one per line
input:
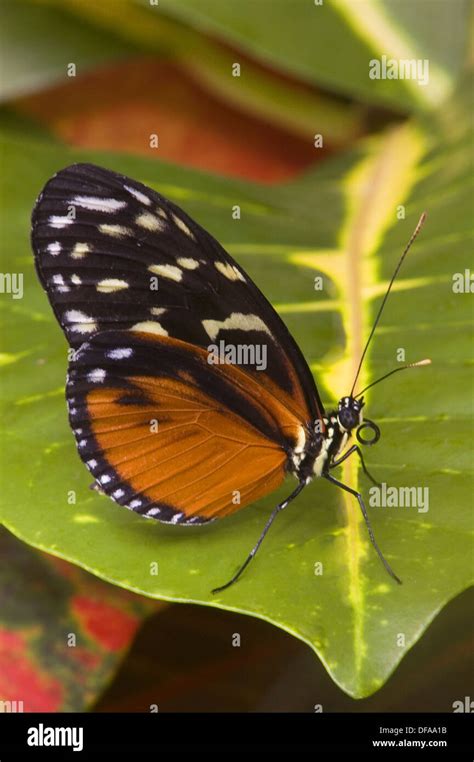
(83, 80)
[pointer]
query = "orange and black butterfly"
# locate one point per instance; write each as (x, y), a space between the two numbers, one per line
(172, 413)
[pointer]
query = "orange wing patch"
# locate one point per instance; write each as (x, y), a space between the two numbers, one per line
(172, 437)
(184, 451)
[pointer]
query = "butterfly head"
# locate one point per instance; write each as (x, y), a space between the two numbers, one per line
(349, 416)
(349, 413)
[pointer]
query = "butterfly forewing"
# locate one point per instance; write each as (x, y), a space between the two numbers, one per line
(114, 254)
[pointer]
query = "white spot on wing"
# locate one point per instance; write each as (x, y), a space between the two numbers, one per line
(229, 271)
(188, 263)
(108, 205)
(157, 311)
(58, 281)
(301, 441)
(138, 195)
(167, 271)
(54, 248)
(150, 222)
(237, 320)
(76, 280)
(150, 326)
(298, 452)
(116, 231)
(79, 322)
(59, 221)
(109, 285)
(182, 226)
(96, 376)
(80, 250)
(121, 353)
(176, 518)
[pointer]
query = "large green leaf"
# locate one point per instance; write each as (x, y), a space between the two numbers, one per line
(89, 34)
(326, 43)
(39, 44)
(340, 221)
(331, 42)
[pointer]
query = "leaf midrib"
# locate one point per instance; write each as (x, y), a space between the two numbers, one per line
(367, 221)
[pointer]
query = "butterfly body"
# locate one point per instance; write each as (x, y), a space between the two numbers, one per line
(144, 295)
(323, 441)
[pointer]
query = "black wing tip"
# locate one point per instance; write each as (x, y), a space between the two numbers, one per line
(76, 168)
(81, 168)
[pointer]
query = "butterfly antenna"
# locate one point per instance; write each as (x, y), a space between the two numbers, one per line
(427, 361)
(379, 314)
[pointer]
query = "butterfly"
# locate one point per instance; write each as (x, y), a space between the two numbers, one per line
(187, 395)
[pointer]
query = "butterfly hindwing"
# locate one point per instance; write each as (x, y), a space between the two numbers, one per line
(112, 254)
(170, 436)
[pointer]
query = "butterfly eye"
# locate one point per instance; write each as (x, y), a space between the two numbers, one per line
(373, 427)
(348, 418)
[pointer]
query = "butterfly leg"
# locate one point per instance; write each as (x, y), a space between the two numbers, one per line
(355, 448)
(367, 521)
(279, 507)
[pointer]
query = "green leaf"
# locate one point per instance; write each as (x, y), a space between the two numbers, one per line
(88, 33)
(328, 45)
(39, 43)
(331, 43)
(339, 221)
